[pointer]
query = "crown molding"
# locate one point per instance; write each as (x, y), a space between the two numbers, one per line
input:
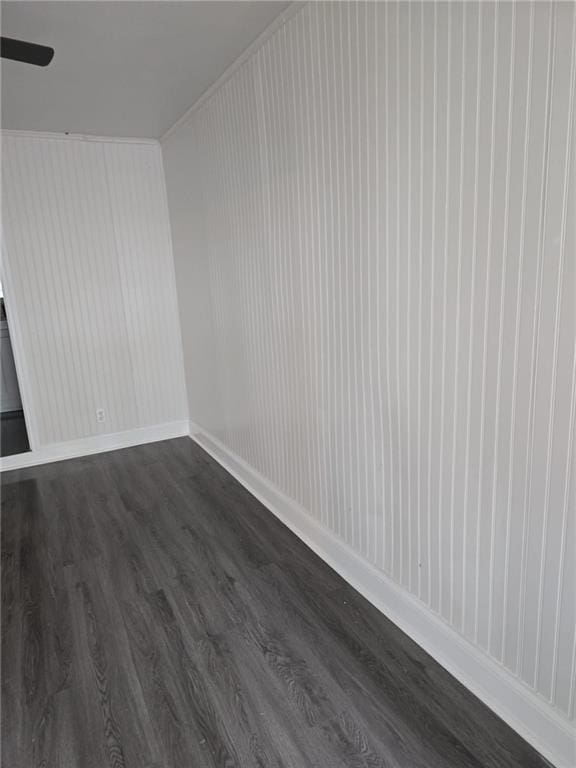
(273, 27)
(63, 136)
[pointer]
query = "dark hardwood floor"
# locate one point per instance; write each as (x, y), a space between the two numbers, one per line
(155, 615)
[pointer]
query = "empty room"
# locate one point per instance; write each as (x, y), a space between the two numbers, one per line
(288, 357)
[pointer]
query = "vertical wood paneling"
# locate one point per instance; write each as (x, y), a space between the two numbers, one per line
(90, 273)
(391, 312)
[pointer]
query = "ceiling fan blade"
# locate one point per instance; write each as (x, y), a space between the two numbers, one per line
(30, 53)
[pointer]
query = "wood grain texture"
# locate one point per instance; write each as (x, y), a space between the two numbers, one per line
(155, 614)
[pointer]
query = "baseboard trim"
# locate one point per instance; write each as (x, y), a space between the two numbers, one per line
(73, 449)
(520, 707)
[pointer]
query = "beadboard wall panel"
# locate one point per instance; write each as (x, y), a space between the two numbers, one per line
(377, 210)
(88, 268)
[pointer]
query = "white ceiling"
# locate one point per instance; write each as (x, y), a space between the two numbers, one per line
(122, 68)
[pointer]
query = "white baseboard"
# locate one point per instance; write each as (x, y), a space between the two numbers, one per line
(72, 449)
(519, 706)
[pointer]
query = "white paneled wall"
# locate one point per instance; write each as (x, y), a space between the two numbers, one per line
(88, 272)
(373, 223)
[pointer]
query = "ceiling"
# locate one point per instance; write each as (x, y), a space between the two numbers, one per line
(122, 68)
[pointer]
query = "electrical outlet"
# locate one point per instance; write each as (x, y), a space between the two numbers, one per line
(100, 415)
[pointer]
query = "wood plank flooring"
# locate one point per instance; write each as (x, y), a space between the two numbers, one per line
(155, 615)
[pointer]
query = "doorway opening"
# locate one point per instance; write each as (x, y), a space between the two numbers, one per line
(14, 438)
